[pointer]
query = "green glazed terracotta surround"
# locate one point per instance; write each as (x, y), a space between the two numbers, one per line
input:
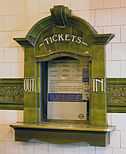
(63, 35)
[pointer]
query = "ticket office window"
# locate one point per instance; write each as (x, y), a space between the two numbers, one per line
(64, 89)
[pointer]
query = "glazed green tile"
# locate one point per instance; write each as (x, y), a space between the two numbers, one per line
(98, 63)
(98, 100)
(30, 115)
(29, 54)
(98, 117)
(30, 99)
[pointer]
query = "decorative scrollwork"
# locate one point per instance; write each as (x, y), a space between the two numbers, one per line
(11, 91)
(116, 94)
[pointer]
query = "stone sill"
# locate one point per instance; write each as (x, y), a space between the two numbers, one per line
(60, 133)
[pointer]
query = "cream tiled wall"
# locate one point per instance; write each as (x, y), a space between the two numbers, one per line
(16, 18)
(12, 22)
(109, 17)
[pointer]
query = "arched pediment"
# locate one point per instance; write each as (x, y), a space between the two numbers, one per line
(61, 18)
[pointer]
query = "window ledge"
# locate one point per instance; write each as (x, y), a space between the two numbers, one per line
(60, 133)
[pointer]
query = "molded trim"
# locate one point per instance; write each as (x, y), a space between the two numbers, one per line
(116, 95)
(11, 94)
